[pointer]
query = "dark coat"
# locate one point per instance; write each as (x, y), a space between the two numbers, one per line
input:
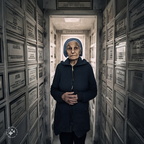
(81, 80)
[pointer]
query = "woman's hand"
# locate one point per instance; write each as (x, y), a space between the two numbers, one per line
(70, 98)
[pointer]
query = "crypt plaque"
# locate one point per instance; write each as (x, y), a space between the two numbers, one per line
(137, 15)
(2, 122)
(31, 32)
(136, 117)
(40, 18)
(17, 109)
(119, 101)
(32, 94)
(121, 26)
(136, 82)
(33, 114)
(137, 49)
(14, 22)
(40, 37)
(110, 33)
(30, 9)
(109, 54)
(110, 11)
(40, 55)
(109, 73)
(120, 77)
(32, 77)
(119, 124)
(41, 71)
(74, 4)
(121, 51)
(40, 106)
(31, 49)
(1, 87)
(108, 131)
(16, 80)
(15, 51)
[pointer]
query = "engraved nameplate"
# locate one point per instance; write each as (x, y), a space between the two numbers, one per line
(32, 95)
(120, 51)
(110, 53)
(1, 87)
(17, 109)
(30, 9)
(33, 134)
(121, 27)
(110, 33)
(33, 114)
(137, 49)
(15, 51)
(41, 71)
(32, 75)
(136, 117)
(109, 73)
(31, 53)
(40, 37)
(41, 90)
(31, 33)
(109, 93)
(120, 77)
(16, 80)
(119, 124)
(40, 19)
(136, 82)
(119, 102)
(137, 16)
(2, 122)
(40, 54)
(14, 22)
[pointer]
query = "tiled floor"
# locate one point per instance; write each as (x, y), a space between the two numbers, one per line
(88, 139)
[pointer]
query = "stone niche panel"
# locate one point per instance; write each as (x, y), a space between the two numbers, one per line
(120, 49)
(116, 139)
(110, 33)
(17, 109)
(136, 82)
(18, 3)
(2, 121)
(33, 114)
(40, 18)
(137, 49)
(15, 51)
(109, 112)
(40, 54)
(136, 117)
(109, 54)
(137, 16)
(121, 25)
(132, 137)
(109, 94)
(32, 75)
(108, 132)
(110, 11)
(109, 73)
(31, 53)
(17, 80)
(14, 21)
(119, 101)
(32, 94)
(119, 124)
(120, 75)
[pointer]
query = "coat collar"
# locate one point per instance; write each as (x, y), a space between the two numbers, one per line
(79, 62)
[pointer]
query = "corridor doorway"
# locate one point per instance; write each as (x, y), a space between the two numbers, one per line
(60, 29)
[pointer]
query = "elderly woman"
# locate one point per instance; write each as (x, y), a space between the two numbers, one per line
(72, 88)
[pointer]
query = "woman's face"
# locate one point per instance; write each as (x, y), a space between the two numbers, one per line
(73, 50)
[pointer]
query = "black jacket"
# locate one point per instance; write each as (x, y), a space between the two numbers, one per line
(80, 80)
